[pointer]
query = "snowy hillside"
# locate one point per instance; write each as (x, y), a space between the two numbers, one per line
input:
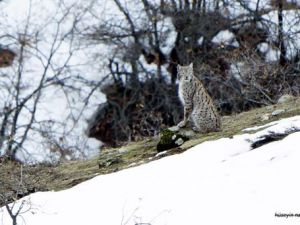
(217, 182)
(52, 89)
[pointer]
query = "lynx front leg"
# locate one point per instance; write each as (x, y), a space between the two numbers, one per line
(188, 108)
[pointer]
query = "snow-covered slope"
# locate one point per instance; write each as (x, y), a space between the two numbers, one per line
(216, 182)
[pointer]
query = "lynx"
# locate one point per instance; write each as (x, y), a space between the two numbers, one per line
(198, 105)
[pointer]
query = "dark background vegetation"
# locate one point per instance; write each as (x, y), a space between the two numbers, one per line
(139, 106)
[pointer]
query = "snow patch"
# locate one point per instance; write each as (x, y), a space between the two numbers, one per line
(221, 177)
(227, 38)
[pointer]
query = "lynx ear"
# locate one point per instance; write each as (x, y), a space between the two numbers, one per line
(191, 65)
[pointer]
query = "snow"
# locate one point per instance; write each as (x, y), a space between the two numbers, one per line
(200, 41)
(290, 29)
(271, 54)
(237, 70)
(51, 56)
(168, 35)
(216, 182)
(225, 37)
(235, 9)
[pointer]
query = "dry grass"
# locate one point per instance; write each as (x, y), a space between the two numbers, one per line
(68, 174)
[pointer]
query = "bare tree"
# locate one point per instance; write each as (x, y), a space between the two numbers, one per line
(14, 186)
(138, 92)
(137, 39)
(16, 209)
(44, 71)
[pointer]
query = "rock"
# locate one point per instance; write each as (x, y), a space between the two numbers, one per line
(183, 131)
(170, 139)
(187, 133)
(174, 129)
(285, 98)
(112, 160)
(179, 141)
(265, 117)
(278, 112)
(161, 154)
(123, 150)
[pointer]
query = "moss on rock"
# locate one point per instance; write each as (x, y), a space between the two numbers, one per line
(170, 139)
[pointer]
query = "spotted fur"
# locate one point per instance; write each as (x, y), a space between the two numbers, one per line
(198, 105)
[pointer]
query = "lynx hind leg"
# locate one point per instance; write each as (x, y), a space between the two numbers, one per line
(198, 123)
(196, 129)
(205, 126)
(217, 126)
(197, 126)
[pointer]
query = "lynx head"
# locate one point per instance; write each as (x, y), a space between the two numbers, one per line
(185, 73)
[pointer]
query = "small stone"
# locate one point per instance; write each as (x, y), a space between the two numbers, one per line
(174, 137)
(265, 117)
(179, 141)
(174, 129)
(285, 98)
(278, 112)
(161, 154)
(110, 161)
(187, 133)
(123, 150)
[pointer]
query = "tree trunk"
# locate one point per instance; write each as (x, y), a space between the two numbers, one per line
(281, 45)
